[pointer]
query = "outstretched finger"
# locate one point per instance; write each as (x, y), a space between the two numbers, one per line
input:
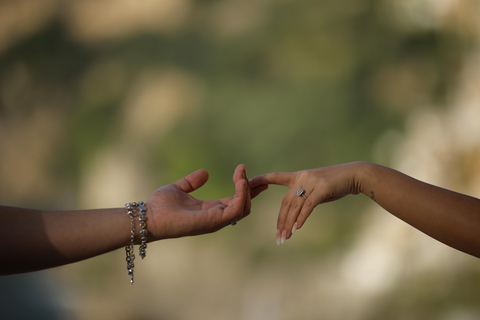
(300, 203)
(236, 204)
(314, 199)
(254, 192)
(289, 203)
(248, 199)
(241, 173)
(291, 206)
(280, 178)
(193, 181)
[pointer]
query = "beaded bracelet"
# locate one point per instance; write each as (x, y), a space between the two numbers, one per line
(129, 250)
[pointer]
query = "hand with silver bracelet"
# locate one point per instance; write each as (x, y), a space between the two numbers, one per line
(171, 212)
(40, 239)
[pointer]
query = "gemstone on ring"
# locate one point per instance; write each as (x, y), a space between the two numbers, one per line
(234, 222)
(301, 192)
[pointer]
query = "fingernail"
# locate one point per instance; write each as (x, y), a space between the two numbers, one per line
(278, 237)
(294, 227)
(284, 236)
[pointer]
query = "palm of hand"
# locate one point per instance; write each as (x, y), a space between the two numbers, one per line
(172, 212)
(175, 213)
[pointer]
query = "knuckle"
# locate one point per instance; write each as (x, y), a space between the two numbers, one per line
(305, 174)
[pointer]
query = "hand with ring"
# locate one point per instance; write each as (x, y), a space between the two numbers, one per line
(445, 215)
(308, 188)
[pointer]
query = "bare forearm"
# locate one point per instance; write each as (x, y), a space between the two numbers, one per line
(35, 240)
(42, 239)
(447, 216)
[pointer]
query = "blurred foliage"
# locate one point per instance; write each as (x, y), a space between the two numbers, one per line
(295, 93)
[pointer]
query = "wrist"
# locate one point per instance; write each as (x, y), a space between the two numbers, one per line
(363, 174)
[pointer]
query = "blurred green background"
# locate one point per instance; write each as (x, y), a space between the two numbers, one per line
(101, 102)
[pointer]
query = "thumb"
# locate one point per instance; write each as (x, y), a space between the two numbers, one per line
(193, 181)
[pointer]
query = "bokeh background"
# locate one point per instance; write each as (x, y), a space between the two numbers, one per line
(103, 101)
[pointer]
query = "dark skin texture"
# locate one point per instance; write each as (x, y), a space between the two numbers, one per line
(43, 239)
(450, 217)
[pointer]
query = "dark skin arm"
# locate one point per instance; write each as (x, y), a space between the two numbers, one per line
(36, 239)
(445, 215)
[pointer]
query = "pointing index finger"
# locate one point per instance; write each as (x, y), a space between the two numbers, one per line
(279, 178)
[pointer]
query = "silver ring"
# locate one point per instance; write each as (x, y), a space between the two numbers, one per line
(301, 192)
(234, 222)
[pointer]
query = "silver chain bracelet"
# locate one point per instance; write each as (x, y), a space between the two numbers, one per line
(142, 251)
(129, 249)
